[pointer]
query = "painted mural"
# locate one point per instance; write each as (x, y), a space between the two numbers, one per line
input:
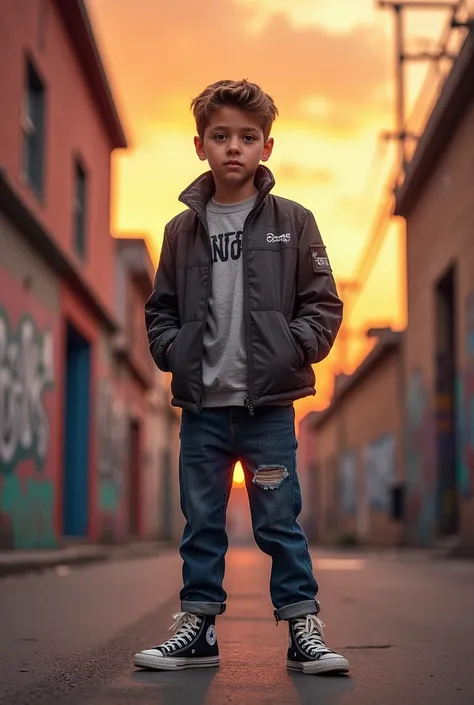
(420, 462)
(27, 379)
(112, 461)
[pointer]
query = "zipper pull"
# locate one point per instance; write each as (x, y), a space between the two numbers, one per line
(249, 405)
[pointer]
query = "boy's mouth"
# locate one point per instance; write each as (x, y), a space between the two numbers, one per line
(232, 162)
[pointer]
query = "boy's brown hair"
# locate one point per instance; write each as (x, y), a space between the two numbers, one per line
(239, 94)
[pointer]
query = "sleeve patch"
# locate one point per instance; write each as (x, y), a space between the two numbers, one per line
(320, 259)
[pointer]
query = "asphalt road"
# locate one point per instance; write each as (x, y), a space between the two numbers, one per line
(406, 624)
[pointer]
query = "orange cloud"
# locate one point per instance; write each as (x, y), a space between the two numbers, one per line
(163, 54)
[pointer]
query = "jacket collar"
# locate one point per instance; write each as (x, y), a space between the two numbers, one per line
(197, 195)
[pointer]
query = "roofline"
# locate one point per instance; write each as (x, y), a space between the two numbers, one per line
(43, 243)
(146, 275)
(76, 20)
(454, 100)
(386, 345)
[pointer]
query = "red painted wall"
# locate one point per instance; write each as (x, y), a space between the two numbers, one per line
(73, 127)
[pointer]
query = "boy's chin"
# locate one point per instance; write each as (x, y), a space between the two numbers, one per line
(234, 178)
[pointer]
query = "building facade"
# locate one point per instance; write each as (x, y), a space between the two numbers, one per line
(76, 379)
(394, 451)
(437, 201)
(358, 454)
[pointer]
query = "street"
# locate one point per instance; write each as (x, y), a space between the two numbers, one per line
(405, 623)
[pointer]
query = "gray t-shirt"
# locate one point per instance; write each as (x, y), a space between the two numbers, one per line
(224, 356)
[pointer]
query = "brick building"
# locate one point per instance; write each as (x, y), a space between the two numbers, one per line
(77, 387)
(437, 201)
(357, 443)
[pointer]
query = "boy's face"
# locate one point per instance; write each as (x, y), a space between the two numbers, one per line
(234, 145)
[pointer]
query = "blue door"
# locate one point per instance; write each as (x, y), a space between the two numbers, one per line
(76, 440)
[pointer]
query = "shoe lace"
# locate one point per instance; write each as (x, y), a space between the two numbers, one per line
(186, 626)
(309, 630)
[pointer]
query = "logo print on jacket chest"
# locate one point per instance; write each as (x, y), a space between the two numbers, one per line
(226, 246)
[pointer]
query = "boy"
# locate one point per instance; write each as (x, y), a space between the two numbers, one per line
(244, 304)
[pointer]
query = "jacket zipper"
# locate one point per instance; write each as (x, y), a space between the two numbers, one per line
(249, 401)
(209, 284)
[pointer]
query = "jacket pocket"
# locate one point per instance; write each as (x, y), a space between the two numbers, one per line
(185, 361)
(170, 353)
(296, 346)
(277, 359)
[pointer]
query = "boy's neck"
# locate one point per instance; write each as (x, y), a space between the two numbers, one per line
(227, 196)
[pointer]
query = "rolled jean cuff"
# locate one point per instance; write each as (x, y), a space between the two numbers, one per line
(297, 609)
(210, 608)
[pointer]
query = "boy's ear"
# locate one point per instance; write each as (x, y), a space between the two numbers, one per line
(199, 146)
(267, 149)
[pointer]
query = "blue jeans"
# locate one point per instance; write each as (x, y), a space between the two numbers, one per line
(266, 445)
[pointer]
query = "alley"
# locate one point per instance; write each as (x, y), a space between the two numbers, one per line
(405, 623)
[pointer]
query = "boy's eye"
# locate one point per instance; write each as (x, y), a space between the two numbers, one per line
(219, 138)
(249, 138)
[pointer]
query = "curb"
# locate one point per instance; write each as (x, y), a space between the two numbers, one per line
(34, 561)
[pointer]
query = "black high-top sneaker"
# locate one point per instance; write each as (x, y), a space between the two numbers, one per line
(307, 651)
(194, 645)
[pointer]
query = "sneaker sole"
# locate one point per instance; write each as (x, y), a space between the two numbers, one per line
(159, 663)
(336, 665)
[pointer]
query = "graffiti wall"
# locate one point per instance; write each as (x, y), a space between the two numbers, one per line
(379, 470)
(27, 405)
(465, 407)
(420, 462)
(113, 458)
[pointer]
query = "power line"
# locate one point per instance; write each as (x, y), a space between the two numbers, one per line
(402, 134)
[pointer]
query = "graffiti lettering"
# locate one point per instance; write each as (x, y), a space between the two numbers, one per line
(26, 372)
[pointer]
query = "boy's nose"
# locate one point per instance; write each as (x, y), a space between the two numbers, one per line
(233, 148)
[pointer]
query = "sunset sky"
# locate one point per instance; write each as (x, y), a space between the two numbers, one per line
(328, 64)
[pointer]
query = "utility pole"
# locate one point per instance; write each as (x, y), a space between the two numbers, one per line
(401, 58)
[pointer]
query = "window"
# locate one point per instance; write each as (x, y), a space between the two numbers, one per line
(79, 209)
(33, 130)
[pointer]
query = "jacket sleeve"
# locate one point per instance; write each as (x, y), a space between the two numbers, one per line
(319, 309)
(161, 309)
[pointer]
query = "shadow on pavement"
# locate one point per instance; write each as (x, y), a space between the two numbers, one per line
(190, 685)
(324, 689)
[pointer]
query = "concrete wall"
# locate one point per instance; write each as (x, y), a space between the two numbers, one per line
(440, 233)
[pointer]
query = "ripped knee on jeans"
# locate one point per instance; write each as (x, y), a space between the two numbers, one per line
(270, 477)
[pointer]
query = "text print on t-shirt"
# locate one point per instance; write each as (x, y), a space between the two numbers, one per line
(226, 245)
